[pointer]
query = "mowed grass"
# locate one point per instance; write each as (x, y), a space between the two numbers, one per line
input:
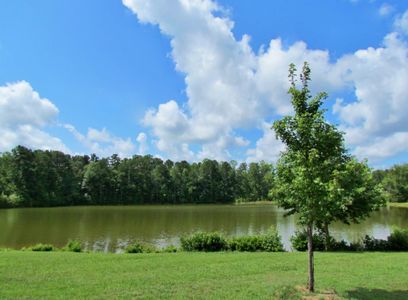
(40, 275)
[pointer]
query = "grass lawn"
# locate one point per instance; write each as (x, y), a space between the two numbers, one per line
(50, 275)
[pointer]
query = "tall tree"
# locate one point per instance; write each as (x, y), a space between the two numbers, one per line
(313, 175)
(395, 183)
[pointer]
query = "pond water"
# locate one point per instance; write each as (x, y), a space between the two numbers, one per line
(111, 228)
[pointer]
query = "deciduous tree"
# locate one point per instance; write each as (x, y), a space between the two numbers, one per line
(315, 177)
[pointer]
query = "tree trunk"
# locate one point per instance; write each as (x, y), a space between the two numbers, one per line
(310, 254)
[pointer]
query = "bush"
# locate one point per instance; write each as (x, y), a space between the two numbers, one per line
(245, 243)
(42, 247)
(170, 249)
(372, 244)
(269, 242)
(214, 241)
(201, 241)
(398, 240)
(73, 246)
(299, 241)
(138, 247)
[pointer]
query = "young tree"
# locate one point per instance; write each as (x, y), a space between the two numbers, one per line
(315, 177)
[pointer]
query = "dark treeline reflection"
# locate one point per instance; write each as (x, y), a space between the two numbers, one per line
(51, 178)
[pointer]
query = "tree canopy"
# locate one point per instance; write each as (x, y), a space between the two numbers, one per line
(51, 178)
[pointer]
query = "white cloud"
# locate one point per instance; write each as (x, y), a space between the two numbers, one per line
(380, 78)
(102, 142)
(401, 23)
(24, 116)
(143, 146)
(268, 148)
(229, 86)
(386, 9)
(384, 147)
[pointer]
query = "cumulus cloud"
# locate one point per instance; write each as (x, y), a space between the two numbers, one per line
(102, 142)
(230, 86)
(24, 115)
(384, 147)
(268, 148)
(401, 23)
(227, 84)
(380, 79)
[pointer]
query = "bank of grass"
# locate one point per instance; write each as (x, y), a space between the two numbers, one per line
(46, 275)
(259, 202)
(398, 204)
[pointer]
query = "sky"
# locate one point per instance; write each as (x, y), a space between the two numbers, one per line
(195, 79)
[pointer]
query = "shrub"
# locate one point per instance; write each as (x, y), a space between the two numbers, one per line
(299, 241)
(372, 244)
(271, 241)
(398, 240)
(170, 249)
(42, 247)
(138, 247)
(268, 242)
(201, 241)
(73, 246)
(245, 243)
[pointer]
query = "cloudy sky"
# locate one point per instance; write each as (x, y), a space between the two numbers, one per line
(193, 79)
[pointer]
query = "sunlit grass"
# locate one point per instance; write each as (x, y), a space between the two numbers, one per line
(198, 275)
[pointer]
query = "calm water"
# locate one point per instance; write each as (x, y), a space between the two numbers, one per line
(111, 228)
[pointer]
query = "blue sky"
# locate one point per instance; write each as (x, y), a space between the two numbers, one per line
(192, 79)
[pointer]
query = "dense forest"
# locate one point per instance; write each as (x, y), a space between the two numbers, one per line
(51, 178)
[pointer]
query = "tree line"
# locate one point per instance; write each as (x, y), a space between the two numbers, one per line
(36, 178)
(395, 182)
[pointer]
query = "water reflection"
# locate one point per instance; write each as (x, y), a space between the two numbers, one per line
(111, 228)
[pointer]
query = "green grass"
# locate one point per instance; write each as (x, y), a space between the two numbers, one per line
(398, 204)
(40, 275)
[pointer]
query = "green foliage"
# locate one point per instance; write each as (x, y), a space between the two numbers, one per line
(42, 247)
(203, 241)
(398, 240)
(138, 247)
(299, 243)
(316, 178)
(51, 178)
(395, 182)
(73, 246)
(372, 244)
(214, 241)
(170, 249)
(268, 242)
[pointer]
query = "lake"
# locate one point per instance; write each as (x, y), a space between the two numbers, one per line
(111, 228)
